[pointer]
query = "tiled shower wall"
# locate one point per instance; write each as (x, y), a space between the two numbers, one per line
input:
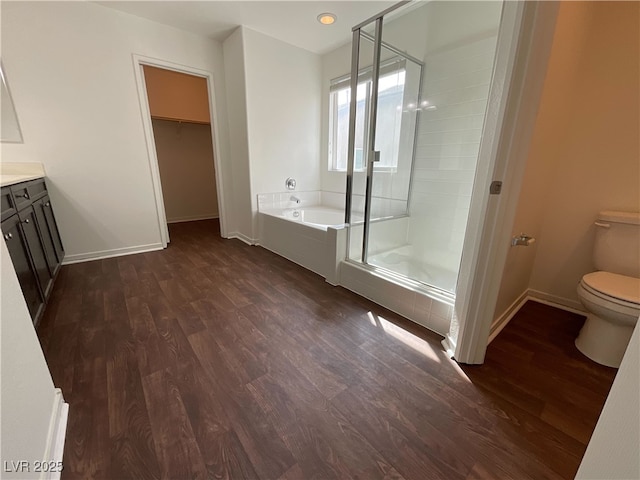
(456, 81)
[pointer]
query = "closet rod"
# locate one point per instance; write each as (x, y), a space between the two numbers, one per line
(179, 120)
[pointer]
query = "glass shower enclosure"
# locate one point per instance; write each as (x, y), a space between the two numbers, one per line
(421, 72)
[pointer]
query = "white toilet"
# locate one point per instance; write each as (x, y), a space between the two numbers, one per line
(612, 294)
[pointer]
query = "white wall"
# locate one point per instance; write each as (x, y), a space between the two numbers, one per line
(584, 150)
(572, 26)
(185, 158)
(613, 449)
(274, 108)
(334, 64)
(27, 395)
(72, 77)
(453, 24)
(240, 177)
(596, 158)
(283, 114)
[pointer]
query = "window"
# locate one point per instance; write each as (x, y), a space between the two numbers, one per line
(389, 121)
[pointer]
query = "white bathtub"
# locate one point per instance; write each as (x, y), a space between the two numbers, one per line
(305, 235)
(316, 216)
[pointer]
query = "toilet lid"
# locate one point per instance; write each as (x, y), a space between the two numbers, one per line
(614, 285)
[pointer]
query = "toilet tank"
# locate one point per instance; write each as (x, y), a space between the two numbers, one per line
(617, 245)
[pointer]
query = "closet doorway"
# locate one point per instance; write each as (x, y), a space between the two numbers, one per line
(181, 146)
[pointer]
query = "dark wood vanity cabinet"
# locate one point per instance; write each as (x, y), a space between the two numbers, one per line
(31, 234)
(20, 257)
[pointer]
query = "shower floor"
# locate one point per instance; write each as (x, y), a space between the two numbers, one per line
(403, 261)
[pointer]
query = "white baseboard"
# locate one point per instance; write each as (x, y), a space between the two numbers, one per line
(243, 237)
(502, 321)
(192, 218)
(562, 303)
(57, 433)
(116, 252)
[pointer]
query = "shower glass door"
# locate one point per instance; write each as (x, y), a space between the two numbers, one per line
(358, 155)
(423, 72)
(398, 97)
(384, 130)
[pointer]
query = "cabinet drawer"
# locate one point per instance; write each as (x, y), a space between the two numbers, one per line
(37, 189)
(25, 193)
(20, 196)
(8, 207)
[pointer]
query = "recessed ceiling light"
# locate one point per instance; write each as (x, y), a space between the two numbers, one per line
(327, 18)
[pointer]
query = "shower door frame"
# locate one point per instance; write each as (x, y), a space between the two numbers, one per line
(522, 53)
(371, 155)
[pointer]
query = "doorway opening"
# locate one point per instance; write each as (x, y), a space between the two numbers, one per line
(179, 121)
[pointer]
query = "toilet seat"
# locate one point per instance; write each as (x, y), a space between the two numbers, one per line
(619, 289)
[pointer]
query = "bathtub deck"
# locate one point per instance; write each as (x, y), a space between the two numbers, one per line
(214, 359)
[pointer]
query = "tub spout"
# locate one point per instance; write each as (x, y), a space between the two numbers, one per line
(293, 198)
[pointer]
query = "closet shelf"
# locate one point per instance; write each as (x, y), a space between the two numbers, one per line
(179, 120)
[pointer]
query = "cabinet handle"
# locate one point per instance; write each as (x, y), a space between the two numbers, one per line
(26, 220)
(25, 195)
(48, 204)
(8, 236)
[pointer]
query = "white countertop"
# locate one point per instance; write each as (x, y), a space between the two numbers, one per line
(6, 180)
(12, 173)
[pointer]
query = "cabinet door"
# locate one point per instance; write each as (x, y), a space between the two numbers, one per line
(53, 228)
(46, 234)
(17, 246)
(29, 227)
(8, 207)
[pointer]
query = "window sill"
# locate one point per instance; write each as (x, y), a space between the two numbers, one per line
(364, 170)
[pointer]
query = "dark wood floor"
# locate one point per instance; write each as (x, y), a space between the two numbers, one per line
(213, 359)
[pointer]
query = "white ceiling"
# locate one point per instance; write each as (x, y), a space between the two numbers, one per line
(293, 22)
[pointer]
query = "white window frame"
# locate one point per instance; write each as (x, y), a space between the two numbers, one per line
(389, 67)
